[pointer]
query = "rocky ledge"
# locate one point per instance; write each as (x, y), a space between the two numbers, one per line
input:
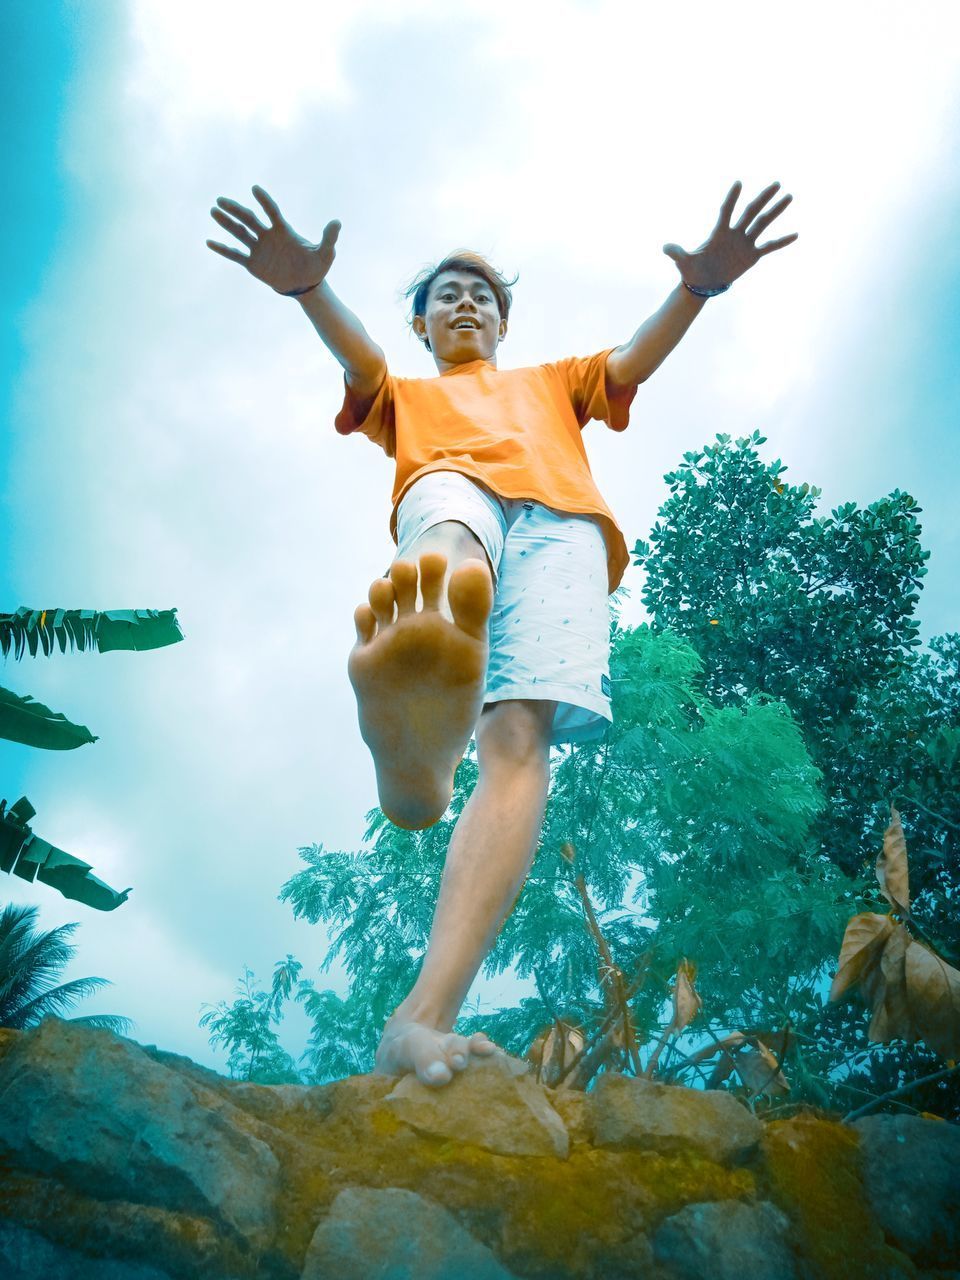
(123, 1162)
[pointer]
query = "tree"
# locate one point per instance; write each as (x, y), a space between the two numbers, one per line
(30, 963)
(817, 610)
(246, 1027)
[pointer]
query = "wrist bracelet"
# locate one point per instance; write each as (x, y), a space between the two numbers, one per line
(706, 293)
(295, 293)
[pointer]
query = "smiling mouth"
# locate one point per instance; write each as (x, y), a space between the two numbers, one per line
(466, 324)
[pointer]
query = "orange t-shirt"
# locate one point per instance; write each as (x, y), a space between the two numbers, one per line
(518, 431)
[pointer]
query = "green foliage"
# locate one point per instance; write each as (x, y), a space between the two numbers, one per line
(816, 610)
(31, 961)
(246, 1027)
(24, 720)
(104, 630)
(27, 855)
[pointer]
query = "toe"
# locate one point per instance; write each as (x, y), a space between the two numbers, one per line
(433, 567)
(480, 1043)
(403, 575)
(470, 592)
(457, 1051)
(382, 600)
(436, 1072)
(365, 621)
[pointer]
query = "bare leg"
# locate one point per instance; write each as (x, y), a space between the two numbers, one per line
(488, 860)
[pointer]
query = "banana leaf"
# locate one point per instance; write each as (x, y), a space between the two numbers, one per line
(26, 855)
(36, 629)
(22, 719)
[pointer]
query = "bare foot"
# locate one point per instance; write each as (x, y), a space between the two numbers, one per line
(435, 1056)
(420, 681)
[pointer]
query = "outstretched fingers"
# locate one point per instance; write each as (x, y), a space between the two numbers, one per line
(755, 205)
(270, 206)
(777, 244)
(763, 222)
(226, 252)
(235, 228)
(241, 213)
(727, 208)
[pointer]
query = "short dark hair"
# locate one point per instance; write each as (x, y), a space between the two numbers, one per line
(460, 260)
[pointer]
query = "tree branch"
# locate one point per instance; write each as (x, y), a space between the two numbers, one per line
(898, 1093)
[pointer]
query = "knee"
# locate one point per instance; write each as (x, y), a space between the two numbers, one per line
(515, 734)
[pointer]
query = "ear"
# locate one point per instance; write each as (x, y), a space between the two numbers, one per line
(502, 330)
(420, 329)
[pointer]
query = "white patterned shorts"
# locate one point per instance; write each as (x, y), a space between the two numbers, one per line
(550, 626)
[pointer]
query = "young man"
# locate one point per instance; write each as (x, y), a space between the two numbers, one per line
(504, 541)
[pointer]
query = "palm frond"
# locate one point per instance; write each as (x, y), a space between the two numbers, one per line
(39, 629)
(23, 719)
(54, 1000)
(28, 856)
(114, 1022)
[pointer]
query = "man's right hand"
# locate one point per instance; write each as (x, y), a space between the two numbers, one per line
(278, 256)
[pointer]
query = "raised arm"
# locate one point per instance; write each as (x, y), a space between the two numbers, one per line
(726, 254)
(297, 268)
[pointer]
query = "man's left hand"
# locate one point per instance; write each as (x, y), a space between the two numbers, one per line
(730, 251)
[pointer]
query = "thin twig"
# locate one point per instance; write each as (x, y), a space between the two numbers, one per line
(865, 1093)
(898, 1093)
(675, 1068)
(933, 814)
(607, 1022)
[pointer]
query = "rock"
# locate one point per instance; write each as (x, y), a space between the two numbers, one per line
(571, 1106)
(911, 1169)
(495, 1104)
(279, 1104)
(726, 1240)
(124, 1163)
(814, 1174)
(93, 1109)
(623, 1112)
(395, 1234)
(25, 1255)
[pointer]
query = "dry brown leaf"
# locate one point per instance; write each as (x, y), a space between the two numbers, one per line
(780, 1039)
(686, 1002)
(720, 1071)
(892, 870)
(555, 1047)
(568, 852)
(933, 989)
(892, 1018)
(758, 1070)
(863, 942)
(732, 1040)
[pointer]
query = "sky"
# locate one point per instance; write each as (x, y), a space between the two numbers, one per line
(167, 433)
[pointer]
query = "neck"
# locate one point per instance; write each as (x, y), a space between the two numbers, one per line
(443, 366)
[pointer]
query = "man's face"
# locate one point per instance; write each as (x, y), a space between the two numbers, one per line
(462, 320)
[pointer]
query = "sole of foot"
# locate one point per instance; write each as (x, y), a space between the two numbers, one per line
(435, 1057)
(420, 680)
